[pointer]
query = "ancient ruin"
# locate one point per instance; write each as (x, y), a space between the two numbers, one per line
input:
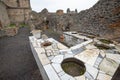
(13, 13)
(82, 61)
(101, 20)
(64, 45)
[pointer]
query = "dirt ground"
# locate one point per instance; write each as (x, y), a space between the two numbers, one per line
(16, 59)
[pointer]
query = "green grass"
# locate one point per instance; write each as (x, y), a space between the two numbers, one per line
(102, 46)
(11, 26)
(92, 37)
(105, 41)
(23, 25)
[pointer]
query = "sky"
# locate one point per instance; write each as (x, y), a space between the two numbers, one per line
(53, 5)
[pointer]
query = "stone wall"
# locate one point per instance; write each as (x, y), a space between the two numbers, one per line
(57, 21)
(17, 3)
(97, 20)
(60, 22)
(4, 19)
(11, 3)
(24, 3)
(16, 15)
(19, 15)
(103, 20)
(27, 15)
(18, 10)
(13, 12)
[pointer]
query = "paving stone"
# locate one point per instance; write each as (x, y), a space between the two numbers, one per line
(109, 51)
(88, 56)
(80, 77)
(57, 59)
(102, 76)
(90, 47)
(102, 53)
(87, 42)
(48, 48)
(65, 51)
(49, 53)
(42, 56)
(67, 77)
(52, 75)
(118, 47)
(35, 44)
(68, 56)
(76, 50)
(91, 71)
(115, 57)
(109, 66)
(55, 52)
(88, 76)
(32, 38)
(98, 61)
(40, 40)
(57, 67)
(40, 50)
(51, 57)
(61, 73)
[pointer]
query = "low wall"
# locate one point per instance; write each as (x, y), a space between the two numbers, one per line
(42, 71)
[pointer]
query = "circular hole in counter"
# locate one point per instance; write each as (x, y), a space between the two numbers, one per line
(73, 67)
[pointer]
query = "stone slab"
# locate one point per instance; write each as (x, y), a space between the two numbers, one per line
(80, 77)
(108, 66)
(102, 76)
(42, 56)
(91, 70)
(57, 59)
(52, 75)
(88, 56)
(68, 55)
(90, 46)
(66, 77)
(115, 57)
(57, 67)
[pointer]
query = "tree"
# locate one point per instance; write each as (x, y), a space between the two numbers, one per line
(76, 11)
(68, 10)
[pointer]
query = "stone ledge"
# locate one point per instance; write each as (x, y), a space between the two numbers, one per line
(91, 57)
(11, 31)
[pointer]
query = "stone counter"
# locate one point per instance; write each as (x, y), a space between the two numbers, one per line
(49, 62)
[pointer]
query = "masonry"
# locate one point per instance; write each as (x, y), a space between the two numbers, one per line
(18, 10)
(4, 19)
(102, 20)
(14, 11)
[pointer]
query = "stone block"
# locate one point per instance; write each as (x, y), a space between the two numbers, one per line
(11, 31)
